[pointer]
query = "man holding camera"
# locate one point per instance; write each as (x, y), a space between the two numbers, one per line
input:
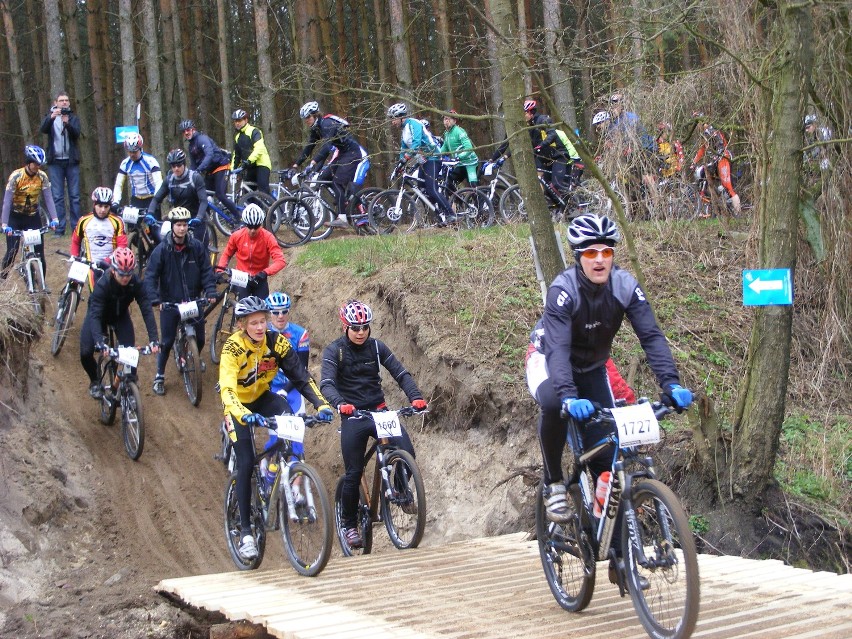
(62, 128)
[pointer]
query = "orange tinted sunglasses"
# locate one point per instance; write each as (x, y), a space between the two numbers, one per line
(592, 253)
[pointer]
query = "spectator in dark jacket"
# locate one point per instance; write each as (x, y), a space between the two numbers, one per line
(62, 128)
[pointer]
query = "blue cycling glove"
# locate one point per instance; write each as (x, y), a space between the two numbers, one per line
(150, 220)
(580, 409)
(54, 224)
(254, 419)
(194, 222)
(325, 414)
(7, 229)
(680, 396)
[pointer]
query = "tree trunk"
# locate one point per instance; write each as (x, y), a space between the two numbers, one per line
(498, 126)
(554, 52)
(53, 26)
(760, 410)
(103, 114)
(225, 75)
(17, 74)
(513, 69)
(154, 90)
(328, 85)
(170, 101)
(445, 85)
(269, 121)
(180, 74)
(523, 44)
(399, 47)
(199, 104)
(128, 63)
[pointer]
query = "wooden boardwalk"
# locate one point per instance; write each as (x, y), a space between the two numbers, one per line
(494, 588)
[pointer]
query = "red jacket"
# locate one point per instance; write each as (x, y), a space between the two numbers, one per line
(260, 253)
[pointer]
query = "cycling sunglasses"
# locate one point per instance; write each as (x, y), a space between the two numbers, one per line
(123, 273)
(592, 253)
(278, 312)
(358, 328)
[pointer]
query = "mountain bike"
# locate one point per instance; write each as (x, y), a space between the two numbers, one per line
(185, 349)
(294, 501)
(657, 564)
(222, 330)
(580, 199)
(142, 235)
(396, 495)
(69, 298)
(117, 380)
(225, 221)
(31, 267)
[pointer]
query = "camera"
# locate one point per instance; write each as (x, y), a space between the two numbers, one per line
(65, 111)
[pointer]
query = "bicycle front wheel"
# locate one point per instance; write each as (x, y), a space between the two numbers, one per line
(475, 207)
(294, 219)
(392, 211)
(233, 530)
(566, 554)
(189, 365)
(64, 319)
(109, 403)
(662, 565)
(364, 523)
(307, 531)
(132, 421)
(404, 509)
(512, 207)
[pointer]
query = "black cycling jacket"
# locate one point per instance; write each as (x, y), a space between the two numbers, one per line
(333, 129)
(179, 276)
(187, 191)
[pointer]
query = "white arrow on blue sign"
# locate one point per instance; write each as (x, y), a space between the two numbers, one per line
(764, 287)
(122, 132)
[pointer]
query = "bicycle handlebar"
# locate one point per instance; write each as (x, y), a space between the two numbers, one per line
(80, 258)
(16, 233)
(112, 353)
(603, 415)
(405, 411)
(269, 422)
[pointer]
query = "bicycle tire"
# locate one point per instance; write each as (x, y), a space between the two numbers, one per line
(324, 212)
(64, 319)
(365, 523)
(668, 606)
(219, 336)
(405, 528)
(233, 530)
(566, 554)
(677, 201)
(295, 221)
(359, 210)
(37, 287)
(583, 201)
(512, 208)
(107, 369)
(212, 243)
(475, 211)
(388, 217)
(190, 368)
(132, 421)
(222, 218)
(308, 540)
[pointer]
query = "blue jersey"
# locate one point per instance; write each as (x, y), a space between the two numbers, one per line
(299, 340)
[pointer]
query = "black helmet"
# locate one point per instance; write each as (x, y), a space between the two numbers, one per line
(251, 305)
(176, 156)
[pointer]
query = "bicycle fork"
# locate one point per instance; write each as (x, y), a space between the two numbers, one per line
(292, 513)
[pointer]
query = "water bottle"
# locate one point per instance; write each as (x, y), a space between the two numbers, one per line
(268, 471)
(600, 493)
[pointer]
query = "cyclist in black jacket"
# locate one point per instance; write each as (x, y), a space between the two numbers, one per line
(351, 380)
(185, 188)
(178, 271)
(209, 160)
(349, 160)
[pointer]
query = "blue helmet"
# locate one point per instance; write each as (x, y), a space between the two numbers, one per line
(34, 153)
(278, 301)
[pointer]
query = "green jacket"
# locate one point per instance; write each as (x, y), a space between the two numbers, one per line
(455, 140)
(250, 147)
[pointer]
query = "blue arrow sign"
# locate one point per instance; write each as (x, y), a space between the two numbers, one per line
(123, 131)
(764, 287)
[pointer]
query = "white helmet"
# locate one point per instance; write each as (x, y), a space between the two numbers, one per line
(253, 216)
(398, 110)
(600, 116)
(590, 229)
(308, 108)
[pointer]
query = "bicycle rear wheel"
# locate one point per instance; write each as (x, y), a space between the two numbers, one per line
(364, 524)
(359, 208)
(404, 511)
(223, 220)
(662, 572)
(295, 220)
(220, 331)
(308, 536)
(512, 207)
(392, 212)
(324, 207)
(566, 554)
(132, 421)
(476, 208)
(64, 319)
(189, 365)
(233, 530)
(109, 403)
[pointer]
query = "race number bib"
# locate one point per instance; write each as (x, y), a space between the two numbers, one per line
(31, 237)
(637, 425)
(130, 215)
(387, 424)
(239, 278)
(128, 355)
(290, 427)
(188, 310)
(78, 272)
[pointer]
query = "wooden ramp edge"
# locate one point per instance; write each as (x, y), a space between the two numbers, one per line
(494, 588)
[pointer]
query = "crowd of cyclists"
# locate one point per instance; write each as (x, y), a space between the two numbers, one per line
(263, 370)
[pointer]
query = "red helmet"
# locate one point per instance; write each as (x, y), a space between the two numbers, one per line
(530, 105)
(355, 312)
(123, 260)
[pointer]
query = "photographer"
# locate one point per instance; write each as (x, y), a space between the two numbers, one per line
(62, 128)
